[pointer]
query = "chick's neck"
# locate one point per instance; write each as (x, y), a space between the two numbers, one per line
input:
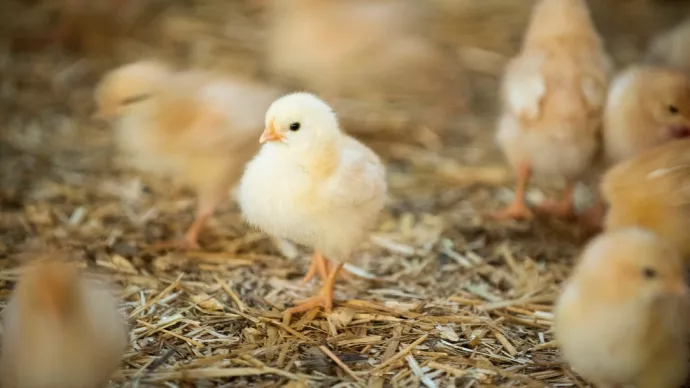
(321, 158)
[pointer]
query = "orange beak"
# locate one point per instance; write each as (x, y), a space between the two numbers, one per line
(271, 134)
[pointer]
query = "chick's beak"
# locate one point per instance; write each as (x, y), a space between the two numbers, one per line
(271, 134)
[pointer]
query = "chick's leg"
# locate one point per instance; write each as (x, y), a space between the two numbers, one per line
(208, 201)
(518, 208)
(563, 207)
(318, 264)
(323, 299)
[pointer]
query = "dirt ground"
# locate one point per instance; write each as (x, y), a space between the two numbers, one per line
(446, 298)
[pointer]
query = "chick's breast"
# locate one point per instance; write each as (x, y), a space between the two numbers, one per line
(331, 214)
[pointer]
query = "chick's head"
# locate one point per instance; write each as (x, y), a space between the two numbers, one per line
(669, 102)
(300, 122)
(127, 85)
(638, 264)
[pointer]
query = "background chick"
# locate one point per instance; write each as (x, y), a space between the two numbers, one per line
(553, 94)
(314, 185)
(61, 330)
(652, 190)
(672, 48)
(622, 317)
(198, 128)
(363, 50)
(646, 106)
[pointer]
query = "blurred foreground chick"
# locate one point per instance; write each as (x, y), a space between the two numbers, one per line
(622, 317)
(195, 127)
(61, 330)
(646, 106)
(652, 190)
(672, 48)
(314, 185)
(553, 94)
(358, 49)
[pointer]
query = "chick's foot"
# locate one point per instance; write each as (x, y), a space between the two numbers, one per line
(515, 211)
(323, 299)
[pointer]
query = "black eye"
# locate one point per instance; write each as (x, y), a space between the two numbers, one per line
(673, 109)
(648, 273)
(295, 126)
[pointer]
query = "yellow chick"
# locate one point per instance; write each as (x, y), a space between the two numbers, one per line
(313, 184)
(622, 317)
(651, 191)
(61, 330)
(553, 94)
(672, 48)
(646, 106)
(358, 49)
(195, 127)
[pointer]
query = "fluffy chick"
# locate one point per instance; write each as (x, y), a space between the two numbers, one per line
(672, 48)
(61, 330)
(622, 317)
(359, 49)
(646, 106)
(314, 185)
(553, 95)
(196, 127)
(651, 190)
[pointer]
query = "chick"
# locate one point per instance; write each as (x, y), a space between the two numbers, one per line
(672, 48)
(61, 330)
(195, 127)
(651, 191)
(362, 50)
(647, 106)
(622, 316)
(553, 95)
(314, 185)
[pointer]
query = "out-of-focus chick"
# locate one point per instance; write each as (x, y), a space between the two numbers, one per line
(314, 185)
(554, 92)
(646, 106)
(652, 190)
(672, 48)
(361, 49)
(195, 127)
(61, 330)
(622, 317)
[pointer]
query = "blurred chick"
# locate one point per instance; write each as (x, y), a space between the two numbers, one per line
(193, 126)
(553, 94)
(672, 48)
(652, 190)
(314, 185)
(360, 49)
(622, 316)
(646, 106)
(61, 330)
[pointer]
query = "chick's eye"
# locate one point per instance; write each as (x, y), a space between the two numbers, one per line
(673, 109)
(295, 126)
(648, 273)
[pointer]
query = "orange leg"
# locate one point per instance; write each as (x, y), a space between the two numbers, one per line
(318, 264)
(323, 299)
(208, 201)
(518, 208)
(190, 239)
(562, 208)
